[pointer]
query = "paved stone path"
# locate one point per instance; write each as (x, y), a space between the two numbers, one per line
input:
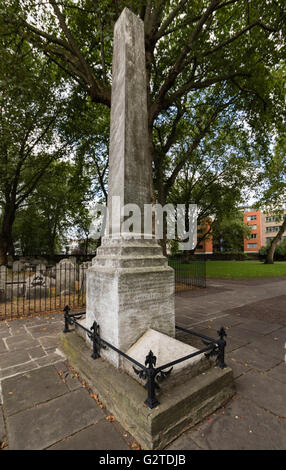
(44, 404)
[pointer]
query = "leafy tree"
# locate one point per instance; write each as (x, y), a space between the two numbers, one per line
(230, 231)
(30, 111)
(273, 191)
(57, 207)
(194, 50)
(214, 177)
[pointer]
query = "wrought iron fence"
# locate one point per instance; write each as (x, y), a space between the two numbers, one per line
(29, 289)
(148, 371)
(188, 274)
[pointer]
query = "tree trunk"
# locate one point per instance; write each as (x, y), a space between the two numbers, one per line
(274, 243)
(6, 240)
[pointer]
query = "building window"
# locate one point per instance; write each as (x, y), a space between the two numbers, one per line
(272, 229)
(251, 245)
(253, 227)
(273, 218)
(253, 235)
(251, 217)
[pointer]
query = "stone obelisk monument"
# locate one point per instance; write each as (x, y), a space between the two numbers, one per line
(130, 287)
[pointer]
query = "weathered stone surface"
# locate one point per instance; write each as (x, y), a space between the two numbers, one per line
(40, 427)
(20, 342)
(18, 266)
(10, 358)
(260, 361)
(31, 388)
(17, 369)
(129, 166)
(65, 276)
(130, 287)
(2, 427)
(125, 302)
(41, 268)
(241, 425)
(279, 372)
(99, 436)
(51, 358)
(179, 409)
(166, 350)
(37, 286)
(3, 273)
(82, 275)
(267, 393)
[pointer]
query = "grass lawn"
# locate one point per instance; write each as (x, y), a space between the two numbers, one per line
(243, 269)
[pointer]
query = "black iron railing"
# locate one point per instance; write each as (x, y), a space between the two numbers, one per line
(188, 274)
(30, 289)
(148, 371)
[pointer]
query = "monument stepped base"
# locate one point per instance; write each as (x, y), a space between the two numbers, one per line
(181, 407)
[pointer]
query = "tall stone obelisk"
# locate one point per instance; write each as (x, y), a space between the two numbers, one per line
(130, 287)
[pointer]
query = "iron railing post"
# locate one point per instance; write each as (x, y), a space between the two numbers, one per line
(95, 341)
(67, 319)
(151, 372)
(221, 348)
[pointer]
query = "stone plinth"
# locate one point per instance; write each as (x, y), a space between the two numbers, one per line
(130, 288)
(180, 408)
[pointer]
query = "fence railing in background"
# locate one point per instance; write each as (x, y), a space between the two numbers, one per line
(30, 289)
(188, 274)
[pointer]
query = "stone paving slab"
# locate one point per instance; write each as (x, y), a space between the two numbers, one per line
(269, 310)
(68, 375)
(242, 333)
(241, 425)
(49, 342)
(42, 426)
(263, 390)
(31, 388)
(18, 369)
(272, 345)
(99, 436)
(3, 347)
(11, 358)
(253, 305)
(20, 342)
(2, 427)
(278, 372)
(46, 330)
(261, 361)
(36, 352)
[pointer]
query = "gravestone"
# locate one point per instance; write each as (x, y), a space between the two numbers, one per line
(130, 286)
(3, 273)
(18, 266)
(65, 276)
(37, 286)
(41, 268)
(82, 275)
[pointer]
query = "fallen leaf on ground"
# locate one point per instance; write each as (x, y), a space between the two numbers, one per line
(135, 446)
(110, 418)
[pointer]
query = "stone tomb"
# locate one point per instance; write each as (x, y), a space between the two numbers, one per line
(130, 287)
